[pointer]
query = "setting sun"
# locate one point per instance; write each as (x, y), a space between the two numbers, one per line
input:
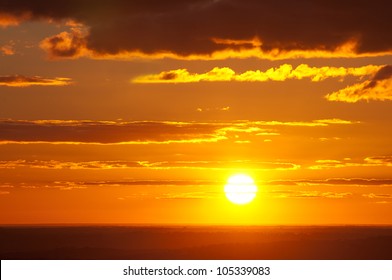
(240, 189)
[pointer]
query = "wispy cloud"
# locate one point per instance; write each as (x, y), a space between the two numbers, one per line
(382, 160)
(309, 194)
(377, 161)
(7, 49)
(379, 87)
(314, 123)
(134, 184)
(382, 196)
(293, 184)
(157, 165)
(189, 195)
(222, 109)
(379, 198)
(8, 19)
(281, 73)
(334, 181)
(23, 81)
(138, 132)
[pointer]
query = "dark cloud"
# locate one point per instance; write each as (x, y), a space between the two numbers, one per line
(137, 132)
(65, 44)
(382, 74)
(169, 76)
(106, 132)
(23, 81)
(190, 27)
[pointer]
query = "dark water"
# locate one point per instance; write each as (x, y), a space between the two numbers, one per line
(201, 242)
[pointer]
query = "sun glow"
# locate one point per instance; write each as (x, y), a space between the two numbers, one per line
(240, 189)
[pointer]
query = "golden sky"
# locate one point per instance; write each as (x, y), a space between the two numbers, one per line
(139, 111)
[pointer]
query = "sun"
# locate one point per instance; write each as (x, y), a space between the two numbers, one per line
(240, 189)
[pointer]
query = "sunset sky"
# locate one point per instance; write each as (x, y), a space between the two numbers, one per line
(139, 111)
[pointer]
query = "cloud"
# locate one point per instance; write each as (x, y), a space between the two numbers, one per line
(324, 122)
(7, 49)
(65, 45)
(323, 139)
(137, 132)
(223, 109)
(379, 87)
(281, 73)
(335, 121)
(7, 19)
(334, 181)
(379, 161)
(107, 132)
(238, 164)
(23, 81)
(309, 194)
(266, 185)
(174, 196)
(180, 193)
(158, 165)
(383, 202)
(146, 183)
(218, 29)
(80, 185)
(382, 160)
(189, 195)
(382, 196)
(54, 164)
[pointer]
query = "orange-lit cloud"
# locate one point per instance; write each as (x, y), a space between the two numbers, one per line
(324, 122)
(304, 183)
(7, 19)
(382, 196)
(377, 88)
(159, 165)
(66, 45)
(54, 164)
(23, 81)
(363, 182)
(73, 45)
(310, 194)
(223, 109)
(140, 132)
(189, 195)
(282, 73)
(206, 29)
(7, 49)
(385, 161)
(108, 132)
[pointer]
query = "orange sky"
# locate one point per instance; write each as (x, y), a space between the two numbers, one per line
(139, 111)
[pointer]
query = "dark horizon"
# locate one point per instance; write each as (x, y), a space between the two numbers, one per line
(191, 225)
(187, 242)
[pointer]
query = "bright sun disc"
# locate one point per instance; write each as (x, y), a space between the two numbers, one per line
(240, 189)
